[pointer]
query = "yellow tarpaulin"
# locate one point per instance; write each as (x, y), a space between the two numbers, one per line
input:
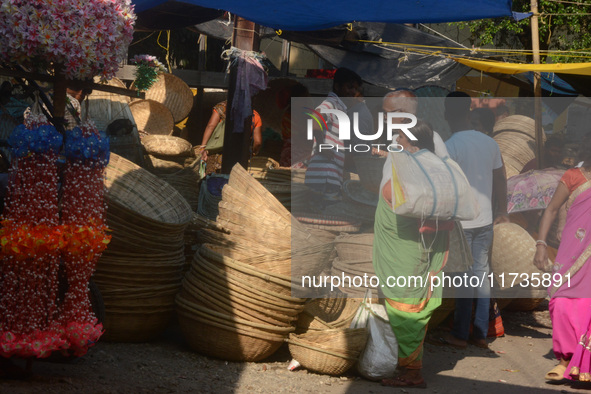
(516, 68)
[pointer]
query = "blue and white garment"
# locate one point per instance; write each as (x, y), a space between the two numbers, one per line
(325, 170)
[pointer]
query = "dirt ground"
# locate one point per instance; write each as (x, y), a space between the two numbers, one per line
(516, 363)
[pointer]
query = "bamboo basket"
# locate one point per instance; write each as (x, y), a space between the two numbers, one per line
(167, 145)
(354, 247)
(319, 314)
(199, 292)
(151, 117)
(225, 341)
(330, 352)
(242, 289)
(145, 195)
(173, 93)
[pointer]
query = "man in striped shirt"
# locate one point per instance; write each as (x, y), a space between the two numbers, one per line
(325, 170)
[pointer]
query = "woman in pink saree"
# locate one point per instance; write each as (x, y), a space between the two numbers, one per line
(570, 292)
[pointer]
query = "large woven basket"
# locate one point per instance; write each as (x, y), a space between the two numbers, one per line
(321, 314)
(206, 278)
(220, 299)
(105, 107)
(167, 145)
(174, 94)
(330, 352)
(151, 117)
(354, 247)
(516, 138)
(223, 340)
(513, 252)
(144, 194)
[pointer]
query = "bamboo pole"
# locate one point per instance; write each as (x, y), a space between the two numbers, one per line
(537, 85)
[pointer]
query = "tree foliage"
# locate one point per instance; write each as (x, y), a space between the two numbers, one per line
(562, 27)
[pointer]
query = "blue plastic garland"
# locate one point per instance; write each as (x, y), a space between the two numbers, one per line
(40, 140)
(94, 148)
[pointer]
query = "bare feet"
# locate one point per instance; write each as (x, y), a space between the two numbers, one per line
(447, 339)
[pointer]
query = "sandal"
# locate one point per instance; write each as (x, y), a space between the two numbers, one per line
(556, 373)
(401, 382)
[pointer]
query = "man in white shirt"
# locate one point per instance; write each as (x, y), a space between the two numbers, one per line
(480, 158)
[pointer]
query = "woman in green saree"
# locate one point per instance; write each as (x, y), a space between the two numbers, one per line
(407, 254)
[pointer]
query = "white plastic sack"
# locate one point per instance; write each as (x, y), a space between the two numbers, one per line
(380, 357)
(428, 187)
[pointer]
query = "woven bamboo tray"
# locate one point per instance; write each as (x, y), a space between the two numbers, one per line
(151, 117)
(173, 93)
(167, 145)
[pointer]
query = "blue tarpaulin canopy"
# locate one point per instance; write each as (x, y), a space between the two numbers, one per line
(299, 15)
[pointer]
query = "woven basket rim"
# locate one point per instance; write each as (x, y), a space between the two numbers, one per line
(173, 93)
(152, 117)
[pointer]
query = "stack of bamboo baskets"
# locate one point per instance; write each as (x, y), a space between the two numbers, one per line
(236, 301)
(354, 254)
(281, 182)
(172, 159)
(516, 138)
(141, 271)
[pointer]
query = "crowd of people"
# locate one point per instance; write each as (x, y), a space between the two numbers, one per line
(400, 243)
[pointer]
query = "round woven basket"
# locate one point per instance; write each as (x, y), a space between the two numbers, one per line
(330, 352)
(221, 300)
(354, 247)
(173, 93)
(513, 253)
(151, 117)
(320, 314)
(167, 145)
(516, 123)
(275, 283)
(145, 195)
(105, 107)
(233, 287)
(226, 341)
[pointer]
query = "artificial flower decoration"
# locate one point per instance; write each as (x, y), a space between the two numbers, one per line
(87, 37)
(146, 72)
(31, 239)
(84, 230)
(35, 242)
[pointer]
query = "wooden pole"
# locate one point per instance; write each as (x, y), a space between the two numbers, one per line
(535, 36)
(237, 145)
(285, 54)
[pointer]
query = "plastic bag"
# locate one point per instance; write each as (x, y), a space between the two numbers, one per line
(427, 187)
(380, 357)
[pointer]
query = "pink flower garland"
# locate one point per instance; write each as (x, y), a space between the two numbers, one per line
(83, 214)
(89, 37)
(33, 321)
